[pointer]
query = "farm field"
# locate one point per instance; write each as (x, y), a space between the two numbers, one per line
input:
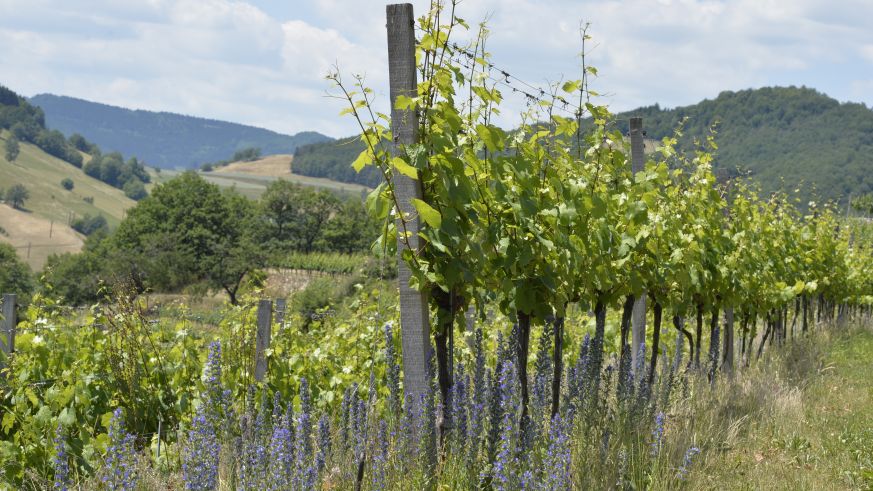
(272, 165)
(252, 178)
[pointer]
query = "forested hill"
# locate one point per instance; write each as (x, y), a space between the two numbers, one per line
(162, 139)
(798, 134)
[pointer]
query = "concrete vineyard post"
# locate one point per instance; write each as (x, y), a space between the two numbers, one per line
(638, 317)
(280, 312)
(729, 339)
(262, 342)
(7, 333)
(414, 321)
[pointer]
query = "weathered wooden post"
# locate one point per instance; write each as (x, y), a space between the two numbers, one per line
(280, 312)
(262, 341)
(10, 319)
(414, 321)
(638, 317)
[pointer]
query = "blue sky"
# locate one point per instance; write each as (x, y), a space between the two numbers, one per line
(263, 62)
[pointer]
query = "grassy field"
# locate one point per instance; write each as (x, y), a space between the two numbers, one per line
(50, 207)
(271, 165)
(808, 427)
(35, 238)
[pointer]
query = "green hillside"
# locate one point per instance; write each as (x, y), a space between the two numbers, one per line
(42, 174)
(793, 134)
(162, 139)
(785, 137)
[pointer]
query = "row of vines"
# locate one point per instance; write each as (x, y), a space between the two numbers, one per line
(550, 214)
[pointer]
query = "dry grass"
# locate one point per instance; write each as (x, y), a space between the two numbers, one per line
(271, 165)
(35, 238)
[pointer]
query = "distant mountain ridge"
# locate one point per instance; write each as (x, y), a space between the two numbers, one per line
(163, 139)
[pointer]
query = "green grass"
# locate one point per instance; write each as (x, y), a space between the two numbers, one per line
(809, 426)
(42, 174)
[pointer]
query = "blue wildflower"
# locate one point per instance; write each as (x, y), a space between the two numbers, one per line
(686, 463)
(120, 465)
(61, 461)
(658, 434)
(505, 472)
(306, 472)
(556, 465)
(280, 467)
(200, 464)
(380, 458)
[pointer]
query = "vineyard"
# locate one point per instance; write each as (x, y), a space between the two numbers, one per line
(573, 313)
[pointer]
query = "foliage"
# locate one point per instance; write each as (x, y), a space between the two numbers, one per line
(81, 144)
(88, 224)
(16, 195)
(786, 137)
(12, 149)
(341, 263)
(67, 184)
(15, 274)
(189, 231)
(529, 226)
(135, 189)
(864, 204)
(163, 139)
(350, 230)
(75, 278)
(73, 371)
(247, 154)
(550, 214)
(129, 176)
(297, 216)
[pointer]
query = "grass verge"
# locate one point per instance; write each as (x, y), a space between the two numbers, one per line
(801, 420)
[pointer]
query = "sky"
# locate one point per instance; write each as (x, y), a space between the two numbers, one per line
(263, 62)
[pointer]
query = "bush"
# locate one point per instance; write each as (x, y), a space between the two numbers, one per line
(75, 277)
(15, 275)
(12, 149)
(67, 183)
(207, 167)
(88, 224)
(17, 195)
(246, 155)
(135, 189)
